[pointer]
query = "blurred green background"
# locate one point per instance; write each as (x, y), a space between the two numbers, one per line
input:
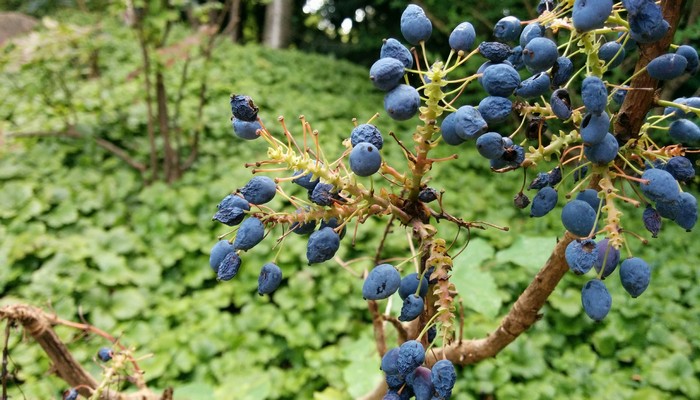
(85, 234)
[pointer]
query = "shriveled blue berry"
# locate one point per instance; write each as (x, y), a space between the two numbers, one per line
(443, 376)
(495, 109)
(412, 307)
(411, 356)
(249, 234)
(562, 70)
(243, 108)
(652, 220)
(259, 190)
(494, 51)
(394, 49)
(323, 194)
(322, 245)
(561, 104)
(581, 255)
(594, 94)
(229, 267)
(367, 133)
(468, 123)
(680, 168)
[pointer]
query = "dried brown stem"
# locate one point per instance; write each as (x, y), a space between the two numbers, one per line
(378, 327)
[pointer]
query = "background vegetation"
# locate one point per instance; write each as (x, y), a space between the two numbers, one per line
(88, 236)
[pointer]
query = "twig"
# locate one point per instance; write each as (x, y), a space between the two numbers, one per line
(378, 327)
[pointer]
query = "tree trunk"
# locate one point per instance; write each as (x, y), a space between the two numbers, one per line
(277, 24)
(234, 21)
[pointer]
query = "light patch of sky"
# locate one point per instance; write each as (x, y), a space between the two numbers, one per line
(313, 6)
(345, 26)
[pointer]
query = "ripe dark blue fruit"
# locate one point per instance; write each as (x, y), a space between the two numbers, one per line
(594, 94)
(507, 29)
(645, 20)
(687, 214)
(381, 282)
(516, 58)
(367, 133)
(661, 186)
(590, 196)
(322, 194)
(581, 255)
(402, 102)
(105, 354)
(608, 258)
(534, 86)
(449, 132)
(619, 94)
(540, 181)
(635, 275)
(231, 210)
(415, 25)
(394, 49)
(218, 253)
(691, 55)
(500, 80)
(543, 202)
(411, 356)
(322, 245)
(269, 279)
(249, 234)
(468, 123)
(667, 66)
(652, 220)
(495, 52)
(578, 217)
(365, 159)
(228, 267)
(462, 37)
(409, 285)
(259, 190)
(490, 145)
(432, 334)
(603, 152)
(590, 14)
(596, 299)
(426, 195)
(390, 362)
(333, 223)
(247, 130)
(562, 70)
(243, 108)
(680, 168)
(386, 73)
(594, 127)
(612, 53)
(306, 180)
(561, 104)
(302, 228)
(421, 383)
(545, 6)
(531, 31)
(412, 308)
(443, 376)
(540, 54)
(684, 131)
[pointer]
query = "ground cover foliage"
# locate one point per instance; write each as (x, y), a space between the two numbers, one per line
(83, 236)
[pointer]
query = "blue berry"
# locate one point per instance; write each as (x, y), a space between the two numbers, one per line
(247, 130)
(590, 14)
(462, 37)
(70, 394)
(612, 53)
(667, 66)
(449, 132)
(500, 80)
(269, 279)
(596, 299)
(228, 267)
(322, 245)
(249, 234)
(302, 228)
(402, 102)
(386, 73)
(333, 223)
(545, 6)
(561, 104)
(432, 334)
(412, 308)
(243, 108)
(468, 123)
(507, 29)
(594, 94)
(411, 356)
(581, 255)
(259, 190)
(562, 70)
(490, 145)
(443, 376)
(531, 31)
(540, 181)
(680, 168)
(534, 86)
(231, 210)
(381, 282)
(394, 49)
(367, 133)
(619, 94)
(687, 214)
(421, 383)
(652, 220)
(495, 109)
(590, 196)
(603, 152)
(661, 186)
(516, 58)
(635, 275)
(426, 195)
(578, 217)
(365, 159)
(691, 56)
(608, 258)
(645, 20)
(580, 172)
(322, 194)
(540, 54)
(543, 202)
(415, 25)
(554, 176)
(105, 354)
(495, 52)
(684, 131)
(594, 127)
(218, 253)
(390, 362)
(409, 285)
(305, 180)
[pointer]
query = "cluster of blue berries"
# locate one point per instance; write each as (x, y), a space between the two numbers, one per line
(407, 377)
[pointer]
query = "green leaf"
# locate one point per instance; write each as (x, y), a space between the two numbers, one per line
(529, 252)
(478, 290)
(127, 303)
(362, 373)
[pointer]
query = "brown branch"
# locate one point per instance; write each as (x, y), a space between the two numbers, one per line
(378, 326)
(400, 329)
(149, 102)
(39, 325)
(639, 102)
(5, 356)
(171, 164)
